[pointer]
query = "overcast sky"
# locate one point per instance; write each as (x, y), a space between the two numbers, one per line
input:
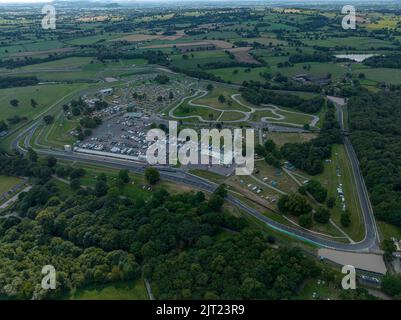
(23, 1)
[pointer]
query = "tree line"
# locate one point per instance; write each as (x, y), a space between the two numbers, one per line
(309, 156)
(256, 94)
(374, 121)
(20, 81)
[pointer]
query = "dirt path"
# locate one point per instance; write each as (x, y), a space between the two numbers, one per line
(14, 198)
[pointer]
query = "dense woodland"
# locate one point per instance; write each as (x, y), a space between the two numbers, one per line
(9, 82)
(388, 61)
(375, 122)
(186, 245)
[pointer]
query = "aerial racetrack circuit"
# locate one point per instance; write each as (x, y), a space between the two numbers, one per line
(368, 244)
(277, 113)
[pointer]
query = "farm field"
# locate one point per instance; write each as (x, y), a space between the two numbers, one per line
(193, 59)
(32, 48)
(392, 76)
(239, 74)
(317, 69)
(92, 39)
(361, 43)
(282, 138)
(44, 95)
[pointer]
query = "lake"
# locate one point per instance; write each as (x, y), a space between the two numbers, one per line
(355, 57)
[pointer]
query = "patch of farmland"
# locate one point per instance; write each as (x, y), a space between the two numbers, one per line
(242, 55)
(39, 53)
(149, 37)
(218, 43)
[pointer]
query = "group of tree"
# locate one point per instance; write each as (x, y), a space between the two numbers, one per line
(48, 119)
(315, 188)
(197, 74)
(3, 126)
(162, 79)
(314, 57)
(231, 64)
(256, 94)
(391, 284)
(90, 122)
(152, 175)
(270, 152)
(94, 235)
(16, 119)
(309, 156)
(14, 103)
(322, 215)
(280, 82)
(296, 205)
(17, 81)
(375, 123)
(392, 61)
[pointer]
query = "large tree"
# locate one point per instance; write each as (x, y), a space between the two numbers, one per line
(152, 175)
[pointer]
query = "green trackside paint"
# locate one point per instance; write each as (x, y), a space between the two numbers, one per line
(296, 236)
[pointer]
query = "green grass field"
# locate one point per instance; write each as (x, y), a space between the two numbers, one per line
(257, 115)
(330, 180)
(388, 231)
(211, 99)
(317, 69)
(68, 63)
(281, 138)
(199, 58)
(391, 76)
(49, 98)
(30, 47)
(123, 290)
(323, 290)
(7, 182)
(231, 116)
(79, 69)
(44, 95)
(204, 113)
(134, 189)
(384, 21)
(360, 43)
(239, 74)
(58, 134)
(93, 39)
(295, 118)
